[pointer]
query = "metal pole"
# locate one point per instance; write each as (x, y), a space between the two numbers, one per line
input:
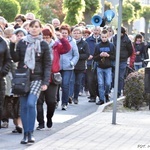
(117, 63)
(103, 7)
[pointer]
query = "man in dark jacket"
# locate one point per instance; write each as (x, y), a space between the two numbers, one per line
(79, 70)
(5, 64)
(91, 73)
(125, 52)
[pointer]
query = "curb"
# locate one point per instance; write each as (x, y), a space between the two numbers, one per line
(101, 109)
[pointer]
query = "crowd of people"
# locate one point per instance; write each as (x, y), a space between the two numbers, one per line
(85, 58)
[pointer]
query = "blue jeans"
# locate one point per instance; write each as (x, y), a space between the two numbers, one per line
(104, 77)
(28, 111)
(66, 77)
(137, 67)
(71, 86)
(122, 70)
(78, 82)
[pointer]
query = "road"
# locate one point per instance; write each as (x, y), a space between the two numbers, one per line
(61, 119)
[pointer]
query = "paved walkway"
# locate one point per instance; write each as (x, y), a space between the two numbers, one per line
(96, 132)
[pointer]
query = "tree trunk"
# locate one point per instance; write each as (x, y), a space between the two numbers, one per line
(130, 28)
(126, 25)
(146, 29)
(87, 18)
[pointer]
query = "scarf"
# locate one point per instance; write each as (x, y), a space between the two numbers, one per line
(32, 48)
(77, 41)
(51, 44)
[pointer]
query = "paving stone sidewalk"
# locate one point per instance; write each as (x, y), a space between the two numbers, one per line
(96, 132)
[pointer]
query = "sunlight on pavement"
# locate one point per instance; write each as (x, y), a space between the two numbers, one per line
(62, 118)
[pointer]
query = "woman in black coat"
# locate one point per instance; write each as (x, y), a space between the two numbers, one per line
(5, 64)
(33, 53)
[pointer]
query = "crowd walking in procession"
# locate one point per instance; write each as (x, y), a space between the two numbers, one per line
(63, 62)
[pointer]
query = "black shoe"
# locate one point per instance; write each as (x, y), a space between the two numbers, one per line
(92, 100)
(19, 129)
(15, 131)
(107, 98)
(31, 138)
(70, 100)
(40, 127)
(25, 139)
(49, 123)
(100, 102)
(118, 95)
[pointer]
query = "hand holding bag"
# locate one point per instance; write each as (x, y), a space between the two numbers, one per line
(21, 81)
(56, 78)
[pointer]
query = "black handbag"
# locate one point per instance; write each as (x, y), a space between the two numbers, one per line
(56, 78)
(21, 81)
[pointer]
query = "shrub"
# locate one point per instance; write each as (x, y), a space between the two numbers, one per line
(134, 90)
(9, 9)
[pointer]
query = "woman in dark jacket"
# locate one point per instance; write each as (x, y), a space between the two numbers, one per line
(32, 52)
(5, 64)
(79, 69)
(57, 48)
(139, 51)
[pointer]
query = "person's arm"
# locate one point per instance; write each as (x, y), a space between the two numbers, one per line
(129, 48)
(132, 58)
(85, 52)
(7, 62)
(112, 52)
(75, 54)
(46, 64)
(96, 55)
(64, 46)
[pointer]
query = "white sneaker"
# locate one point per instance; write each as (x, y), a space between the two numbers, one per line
(80, 94)
(4, 125)
(64, 107)
(87, 93)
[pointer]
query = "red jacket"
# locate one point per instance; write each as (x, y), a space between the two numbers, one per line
(132, 58)
(59, 48)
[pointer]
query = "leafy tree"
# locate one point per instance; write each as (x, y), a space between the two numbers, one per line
(29, 6)
(127, 13)
(91, 7)
(9, 9)
(137, 7)
(74, 11)
(45, 11)
(57, 9)
(145, 13)
(108, 5)
(51, 9)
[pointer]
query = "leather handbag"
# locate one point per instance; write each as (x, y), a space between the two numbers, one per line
(56, 78)
(21, 81)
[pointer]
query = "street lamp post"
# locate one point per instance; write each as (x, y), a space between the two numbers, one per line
(117, 63)
(103, 6)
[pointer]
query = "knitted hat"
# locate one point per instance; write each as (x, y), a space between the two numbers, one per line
(20, 30)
